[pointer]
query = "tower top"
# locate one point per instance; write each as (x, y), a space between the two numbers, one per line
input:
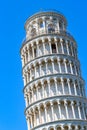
(46, 13)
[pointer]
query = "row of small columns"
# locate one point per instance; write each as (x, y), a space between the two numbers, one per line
(26, 52)
(31, 113)
(66, 127)
(27, 72)
(43, 19)
(30, 90)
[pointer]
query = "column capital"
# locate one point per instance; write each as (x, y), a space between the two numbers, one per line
(70, 62)
(55, 79)
(62, 80)
(65, 102)
(72, 103)
(65, 60)
(32, 44)
(59, 102)
(61, 40)
(43, 18)
(59, 59)
(43, 40)
(37, 42)
(55, 39)
(51, 103)
(48, 81)
(68, 80)
(49, 40)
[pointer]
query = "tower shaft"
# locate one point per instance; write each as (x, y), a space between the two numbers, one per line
(54, 90)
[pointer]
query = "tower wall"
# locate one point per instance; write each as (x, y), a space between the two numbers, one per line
(54, 90)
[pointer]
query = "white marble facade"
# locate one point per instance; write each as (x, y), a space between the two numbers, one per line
(54, 90)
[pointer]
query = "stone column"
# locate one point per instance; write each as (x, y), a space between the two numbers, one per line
(82, 128)
(30, 74)
(58, 25)
(29, 97)
(71, 67)
(45, 113)
(50, 46)
(67, 46)
(34, 118)
(75, 88)
(35, 69)
(37, 91)
(26, 100)
(52, 65)
(24, 78)
(61, 42)
(62, 82)
(68, 81)
(31, 121)
(59, 66)
(43, 88)
(65, 65)
(73, 110)
(59, 107)
(72, 48)
(83, 91)
(37, 48)
(76, 128)
(28, 123)
(32, 50)
(37, 26)
(83, 112)
(79, 88)
(52, 112)
(43, 47)
(28, 54)
(48, 86)
(39, 115)
(44, 24)
(56, 86)
(56, 46)
(25, 57)
(40, 68)
(27, 76)
(75, 69)
(22, 59)
(79, 112)
(66, 109)
(32, 96)
(46, 67)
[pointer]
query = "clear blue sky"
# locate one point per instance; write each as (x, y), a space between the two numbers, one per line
(13, 14)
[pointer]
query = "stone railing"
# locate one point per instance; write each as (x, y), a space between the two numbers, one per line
(57, 32)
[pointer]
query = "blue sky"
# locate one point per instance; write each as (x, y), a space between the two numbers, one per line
(13, 15)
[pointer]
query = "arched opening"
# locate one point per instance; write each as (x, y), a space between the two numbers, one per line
(33, 32)
(41, 24)
(51, 28)
(53, 47)
(65, 127)
(51, 129)
(58, 128)
(61, 25)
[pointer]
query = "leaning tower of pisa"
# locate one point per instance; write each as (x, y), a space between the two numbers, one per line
(54, 89)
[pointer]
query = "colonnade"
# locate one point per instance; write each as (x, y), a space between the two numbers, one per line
(42, 25)
(50, 66)
(56, 110)
(47, 46)
(67, 127)
(53, 87)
